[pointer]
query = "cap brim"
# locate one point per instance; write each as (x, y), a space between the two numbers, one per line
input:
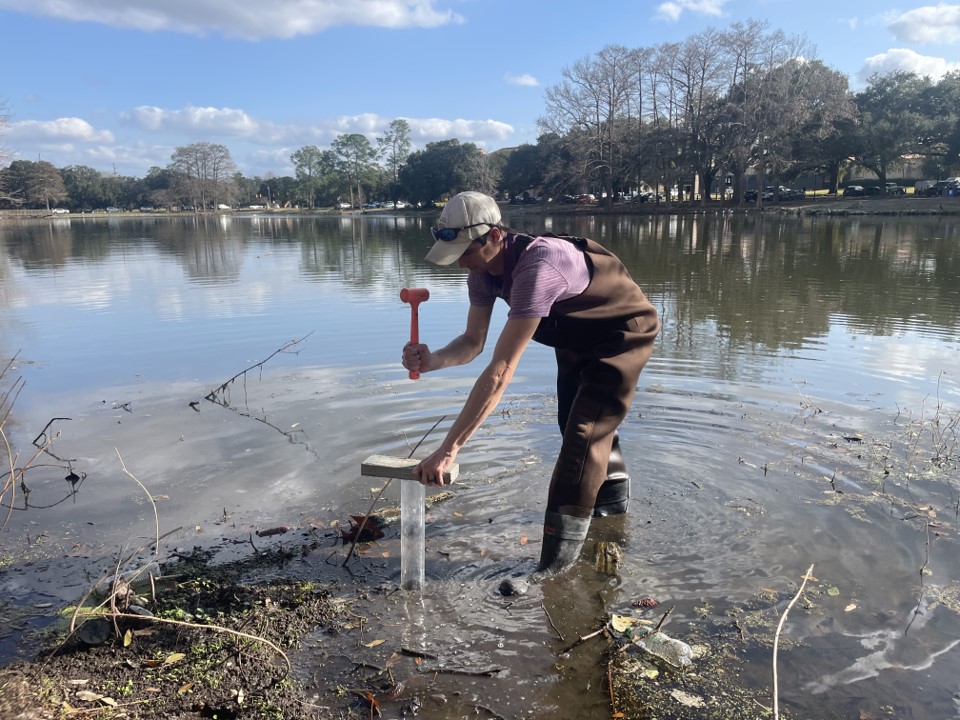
(447, 253)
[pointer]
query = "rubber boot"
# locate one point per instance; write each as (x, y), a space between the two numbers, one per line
(563, 537)
(613, 497)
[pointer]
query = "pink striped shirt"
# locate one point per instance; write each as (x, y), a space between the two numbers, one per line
(549, 270)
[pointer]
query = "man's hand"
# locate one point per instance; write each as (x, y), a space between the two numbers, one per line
(417, 357)
(431, 469)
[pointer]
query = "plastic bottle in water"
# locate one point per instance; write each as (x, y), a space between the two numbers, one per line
(675, 653)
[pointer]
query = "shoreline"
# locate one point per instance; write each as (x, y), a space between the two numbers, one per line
(827, 205)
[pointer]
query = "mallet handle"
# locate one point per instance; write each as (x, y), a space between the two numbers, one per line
(414, 332)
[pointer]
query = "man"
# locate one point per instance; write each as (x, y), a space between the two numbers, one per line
(577, 297)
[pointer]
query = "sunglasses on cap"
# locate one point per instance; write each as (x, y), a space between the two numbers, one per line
(449, 234)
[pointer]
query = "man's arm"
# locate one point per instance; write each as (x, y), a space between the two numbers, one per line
(459, 351)
(483, 398)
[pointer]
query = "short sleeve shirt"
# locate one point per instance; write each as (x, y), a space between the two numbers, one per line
(548, 271)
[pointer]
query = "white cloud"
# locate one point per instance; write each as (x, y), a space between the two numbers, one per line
(150, 135)
(909, 61)
(929, 24)
(61, 130)
(192, 119)
(523, 80)
(248, 19)
(480, 132)
(674, 9)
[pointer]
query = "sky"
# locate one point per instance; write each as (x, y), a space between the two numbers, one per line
(119, 84)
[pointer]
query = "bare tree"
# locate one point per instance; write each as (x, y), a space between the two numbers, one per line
(588, 103)
(5, 155)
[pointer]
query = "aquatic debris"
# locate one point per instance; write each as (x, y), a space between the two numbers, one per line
(371, 529)
(274, 531)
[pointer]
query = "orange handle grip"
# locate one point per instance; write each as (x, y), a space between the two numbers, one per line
(414, 296)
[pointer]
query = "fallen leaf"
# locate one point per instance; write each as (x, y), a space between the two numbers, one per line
(184, 688)
(851, 606)
(127, 638)
(374, 643)
(622, 623)
(458, 514)
(687, 699)
(108, 701)
(77, 682)
(88, 695)
(833, 591)
(159, 498)
(173, 658)
(618, 715)
(523, 539)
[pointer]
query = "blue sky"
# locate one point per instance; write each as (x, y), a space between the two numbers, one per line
(118, 84)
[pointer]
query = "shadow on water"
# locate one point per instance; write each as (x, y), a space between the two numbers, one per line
(768, 434)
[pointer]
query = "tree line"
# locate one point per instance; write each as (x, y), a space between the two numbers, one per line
(704, 113)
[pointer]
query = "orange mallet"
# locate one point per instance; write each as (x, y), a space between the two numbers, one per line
(414, 296)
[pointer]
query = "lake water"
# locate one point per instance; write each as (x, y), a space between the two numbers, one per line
(801, 408)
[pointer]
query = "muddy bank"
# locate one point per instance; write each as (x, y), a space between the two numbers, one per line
(221, 640)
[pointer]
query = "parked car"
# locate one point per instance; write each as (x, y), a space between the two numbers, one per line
(871, 190)
(943, 188)
(854, 191)
(751, 195)
(60, 211)
(894, 189)
(791, 193)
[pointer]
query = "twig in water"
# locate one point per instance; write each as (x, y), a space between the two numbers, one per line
(923, 587)
(156, 517)
(663, 619)
(807, 402)
(212, 395)
(582, 639)
(776, 640)
(550, 619)
(613, 699)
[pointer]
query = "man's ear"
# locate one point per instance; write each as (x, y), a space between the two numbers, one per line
(496, 233)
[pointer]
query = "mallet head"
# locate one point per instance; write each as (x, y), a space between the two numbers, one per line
(414, 296)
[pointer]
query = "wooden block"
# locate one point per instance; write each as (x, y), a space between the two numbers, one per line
(386, 466)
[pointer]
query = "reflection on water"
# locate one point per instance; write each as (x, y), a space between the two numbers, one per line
(800, 409)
